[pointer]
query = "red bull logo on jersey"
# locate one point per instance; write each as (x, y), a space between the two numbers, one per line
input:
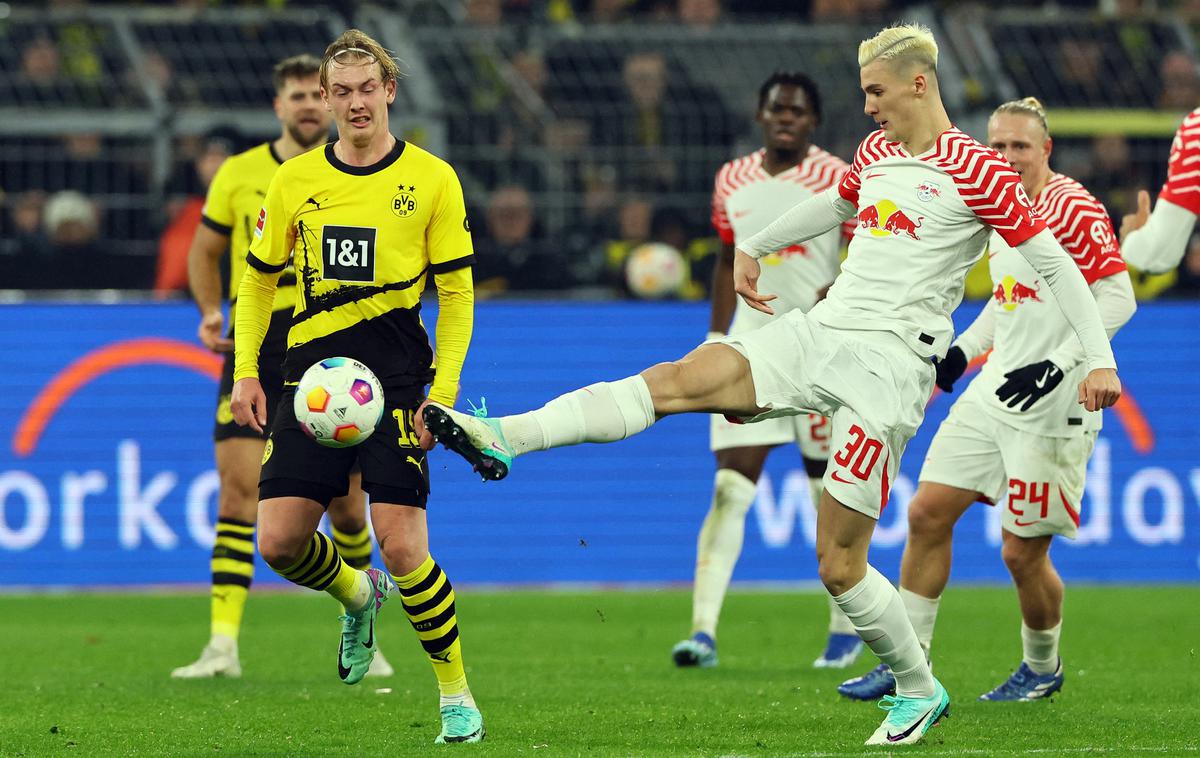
(1010, 293)
(885, 219)
(779, 256)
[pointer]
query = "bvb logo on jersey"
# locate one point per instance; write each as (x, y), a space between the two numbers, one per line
(404, 204)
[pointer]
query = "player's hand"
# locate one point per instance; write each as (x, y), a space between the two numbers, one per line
(249, 404)
(950, 368)
(1136, 220)
(212, 333)
(424, 436)
(745, 282)
(1029, 384)
(1099, 389)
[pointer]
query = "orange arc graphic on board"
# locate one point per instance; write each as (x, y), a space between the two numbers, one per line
(118, 355)
(1128, 412)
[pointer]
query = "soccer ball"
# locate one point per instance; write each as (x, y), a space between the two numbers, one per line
(339, 402)
(655, 270)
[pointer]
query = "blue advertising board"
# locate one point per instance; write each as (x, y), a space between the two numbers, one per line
(107, 475)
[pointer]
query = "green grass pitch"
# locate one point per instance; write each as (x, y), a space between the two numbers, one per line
(580, 673)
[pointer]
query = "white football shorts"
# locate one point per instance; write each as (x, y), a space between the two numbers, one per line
(1042, 476)
(809, 431)
(871, 385)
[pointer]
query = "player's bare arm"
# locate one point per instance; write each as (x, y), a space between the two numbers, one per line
(204, 279)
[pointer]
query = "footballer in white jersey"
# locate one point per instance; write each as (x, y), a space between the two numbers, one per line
(925, 197)
(1156, 241)
(1018, 429)
(750, 192)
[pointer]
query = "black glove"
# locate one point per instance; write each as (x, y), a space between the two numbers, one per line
(950, 368)
(1029, 383)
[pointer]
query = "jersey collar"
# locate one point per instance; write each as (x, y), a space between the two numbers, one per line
(375, 167)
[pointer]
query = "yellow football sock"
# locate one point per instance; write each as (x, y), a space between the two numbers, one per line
(428, 600)
(232, 572)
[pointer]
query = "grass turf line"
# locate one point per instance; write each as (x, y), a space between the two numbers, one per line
(565, 674)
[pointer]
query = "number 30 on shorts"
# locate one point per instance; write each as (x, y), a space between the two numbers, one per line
(404, 421)
(860, 454)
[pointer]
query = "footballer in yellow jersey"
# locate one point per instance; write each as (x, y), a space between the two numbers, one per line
(231, 210)
(368, 221)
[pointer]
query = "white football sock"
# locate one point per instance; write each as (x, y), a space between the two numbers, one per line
(922, 612)
(460, 698)
(874, 607)
(718, 547)
(1040, 647)
(601, 412)
(362, 593)
(838, 623)
(223, 643)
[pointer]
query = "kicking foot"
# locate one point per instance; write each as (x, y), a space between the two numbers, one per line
(476, 438)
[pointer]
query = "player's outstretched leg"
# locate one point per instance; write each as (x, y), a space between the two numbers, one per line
(232, 572)
(428, 599)
(602, 412)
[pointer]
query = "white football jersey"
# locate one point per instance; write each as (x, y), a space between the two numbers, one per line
(746, 199)
(1029, 323)
(923, 221)
(1183, 168)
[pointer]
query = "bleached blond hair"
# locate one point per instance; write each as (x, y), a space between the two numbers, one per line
(1026, 106)
(906, 44)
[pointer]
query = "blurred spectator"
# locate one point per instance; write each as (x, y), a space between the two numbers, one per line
(700, 14)
(509, 255)
(847, 10)
(484, 13)
(29, 238)
(664, 129)
(1180, 82)
(1081, 72)
(171, 272)
(39, 80)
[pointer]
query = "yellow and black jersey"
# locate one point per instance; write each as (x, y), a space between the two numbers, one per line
(364, 240)
(234, 199)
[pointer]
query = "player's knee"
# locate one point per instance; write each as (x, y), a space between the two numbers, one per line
(402, 553)
(1022, 557)
(928, 521)
(238, 497)
(836, 571)
(346, 516)
(279, 550)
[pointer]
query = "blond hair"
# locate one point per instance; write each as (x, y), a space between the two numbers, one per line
(356, 46)
(1026, 106)
(906, 43)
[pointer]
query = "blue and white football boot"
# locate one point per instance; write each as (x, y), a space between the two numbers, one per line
(699, 650)
(840, 651)
(870, 686)
(1025, 684)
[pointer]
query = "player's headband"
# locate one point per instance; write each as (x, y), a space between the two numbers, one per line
(358, 50)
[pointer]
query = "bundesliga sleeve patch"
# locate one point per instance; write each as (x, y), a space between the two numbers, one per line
(262, 220)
